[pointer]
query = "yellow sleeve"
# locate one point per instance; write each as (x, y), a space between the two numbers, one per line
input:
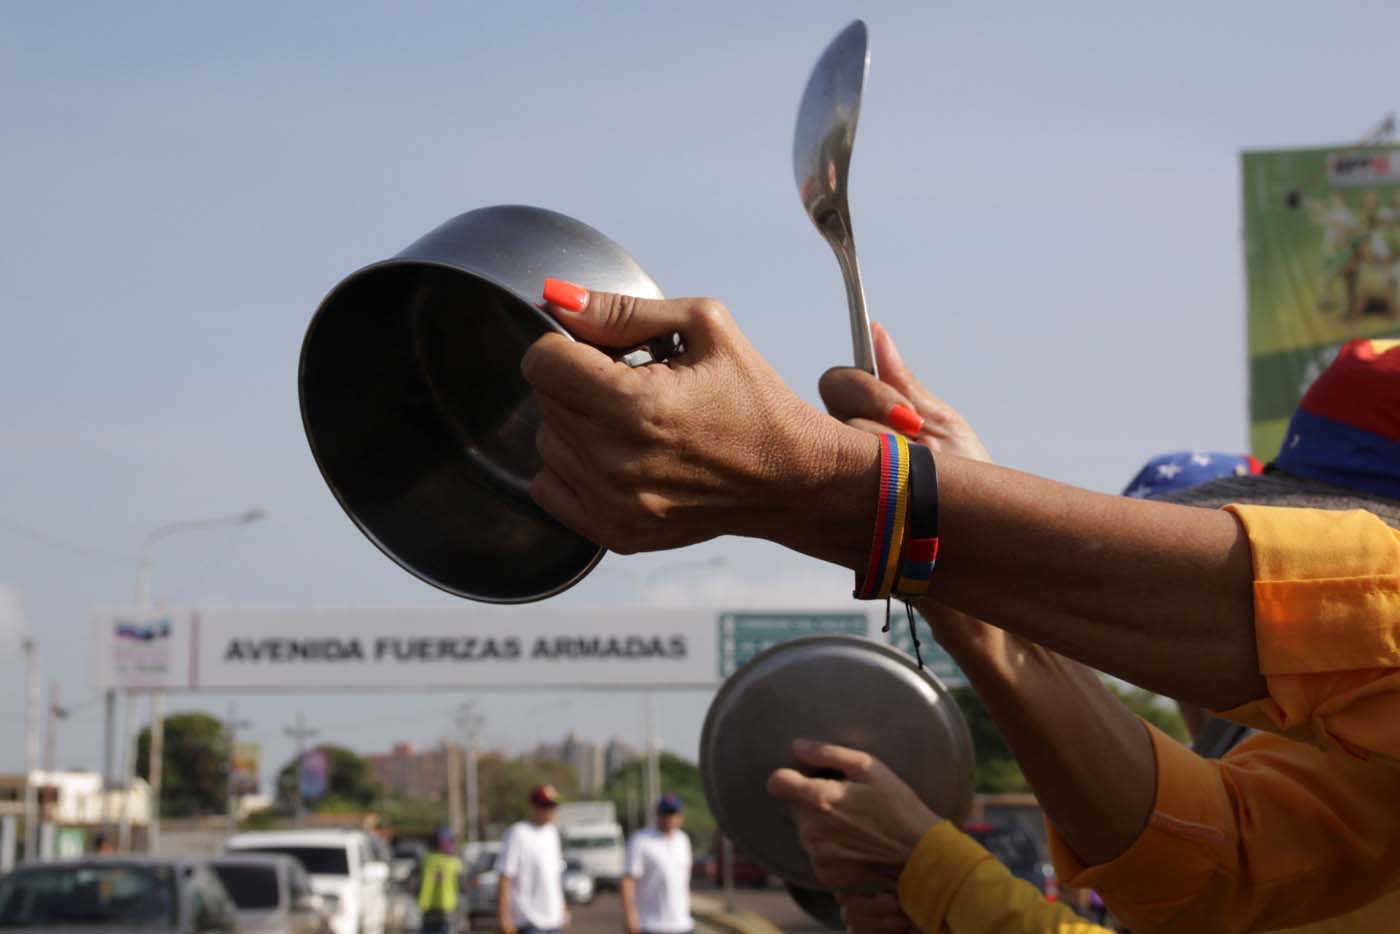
(1277, 833)
(951, 883)
(1327, 627)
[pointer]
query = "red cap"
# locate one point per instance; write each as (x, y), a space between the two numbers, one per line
(544, 796)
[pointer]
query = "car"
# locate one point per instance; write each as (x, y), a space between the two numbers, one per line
(161, 896)
(342, 869)
(747, 870)
(272, 893)
(482, 882)
(578, 885)
(1019, 851)
(408, 855)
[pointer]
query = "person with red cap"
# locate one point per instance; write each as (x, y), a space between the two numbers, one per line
(656, 876)
(530, 893)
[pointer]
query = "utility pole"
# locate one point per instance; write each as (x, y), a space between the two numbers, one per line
(155, 768)
(109, 759)
(454, 790)
(300, 732)
(231, 727)
(470, 722)
(652, 763)
(128, 745)
(31, 751)
(56, 713)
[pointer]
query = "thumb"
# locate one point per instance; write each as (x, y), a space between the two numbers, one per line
(607, 319)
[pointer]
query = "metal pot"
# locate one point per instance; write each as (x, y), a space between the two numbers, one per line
(417, 415)
(837, 689)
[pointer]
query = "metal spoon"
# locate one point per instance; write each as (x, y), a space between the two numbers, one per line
(821, 154)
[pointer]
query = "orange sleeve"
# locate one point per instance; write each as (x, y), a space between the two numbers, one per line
(1275, 834)
(1327, 627)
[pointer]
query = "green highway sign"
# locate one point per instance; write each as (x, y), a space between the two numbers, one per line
(744, 635)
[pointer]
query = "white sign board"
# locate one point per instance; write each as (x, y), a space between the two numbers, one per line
(518, 647)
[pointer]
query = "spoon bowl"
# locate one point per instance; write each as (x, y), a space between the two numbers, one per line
(821, 157)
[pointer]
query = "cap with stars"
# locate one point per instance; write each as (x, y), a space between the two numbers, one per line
(1179, 470)
(1346, 429)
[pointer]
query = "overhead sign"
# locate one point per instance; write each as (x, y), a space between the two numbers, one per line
(478, 647)
(744, 635)
(1322, 264)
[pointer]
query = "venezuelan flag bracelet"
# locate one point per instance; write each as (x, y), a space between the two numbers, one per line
(904, 548)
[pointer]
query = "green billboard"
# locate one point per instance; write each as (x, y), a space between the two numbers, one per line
(1322, 267)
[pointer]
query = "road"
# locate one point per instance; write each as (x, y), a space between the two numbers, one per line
(604, 915)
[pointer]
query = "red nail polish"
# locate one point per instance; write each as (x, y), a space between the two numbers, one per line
(565, 295)
(905, 420)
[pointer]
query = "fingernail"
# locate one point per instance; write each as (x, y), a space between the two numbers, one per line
(565, 295)
(905, 420)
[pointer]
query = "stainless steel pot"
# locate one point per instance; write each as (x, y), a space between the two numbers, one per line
(837, 689)
(417, 415)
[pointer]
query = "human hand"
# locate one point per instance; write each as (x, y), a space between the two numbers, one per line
(710, 442)
(874, 914)
(863, 401)
(859, 832)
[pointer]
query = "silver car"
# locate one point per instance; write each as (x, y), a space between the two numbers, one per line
(169, 896)
(272, 894)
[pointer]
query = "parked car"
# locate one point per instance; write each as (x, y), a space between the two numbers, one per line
(482, 882)
(407, 858)
(747, 870)
(578, 885)
(272, 893)
(169, 896)
(342, 870)
(1019, 851)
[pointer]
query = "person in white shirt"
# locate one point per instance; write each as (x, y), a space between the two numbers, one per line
(530, 893)
(656, 878)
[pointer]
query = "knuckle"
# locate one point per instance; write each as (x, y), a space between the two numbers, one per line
(709, 313)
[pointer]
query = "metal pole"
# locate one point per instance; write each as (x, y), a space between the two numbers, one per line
(109, 757)
(128, 746)
(51, 728)
(31, 752)
(653, 764)
(470, 722)
(726, 855)
(454, 790)
(156, 767)
(301, 733)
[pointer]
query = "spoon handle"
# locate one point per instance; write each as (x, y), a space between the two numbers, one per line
(862, 343)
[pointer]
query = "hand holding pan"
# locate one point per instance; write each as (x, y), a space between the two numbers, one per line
(841, 690)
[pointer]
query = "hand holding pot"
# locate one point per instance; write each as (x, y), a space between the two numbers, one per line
(711, 442)
(859, 831)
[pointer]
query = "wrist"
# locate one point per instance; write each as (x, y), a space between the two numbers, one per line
(822, 502)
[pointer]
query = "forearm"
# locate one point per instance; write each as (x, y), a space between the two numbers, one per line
(1156, 594)
(1067, 731)
(628, 890)
(503, 904)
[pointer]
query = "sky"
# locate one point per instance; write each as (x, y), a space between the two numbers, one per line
(1045, 197)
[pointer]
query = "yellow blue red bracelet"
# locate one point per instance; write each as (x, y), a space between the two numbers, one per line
(891, 516)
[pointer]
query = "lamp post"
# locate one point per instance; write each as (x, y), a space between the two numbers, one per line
(231, 727)
(143, 604)
(31, 752)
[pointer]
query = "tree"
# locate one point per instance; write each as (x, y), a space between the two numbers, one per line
(678, 775)
(350, 783)
(194, 765)
(504, 784)
(997, 770)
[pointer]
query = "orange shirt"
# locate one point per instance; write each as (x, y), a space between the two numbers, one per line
(1278, 832)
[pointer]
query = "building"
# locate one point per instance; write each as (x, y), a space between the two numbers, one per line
(407, 773)
(588, 764)
(617, 754)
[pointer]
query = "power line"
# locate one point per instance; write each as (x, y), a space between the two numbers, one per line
(53, 541)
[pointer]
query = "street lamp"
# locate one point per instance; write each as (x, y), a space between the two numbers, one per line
(143, 604)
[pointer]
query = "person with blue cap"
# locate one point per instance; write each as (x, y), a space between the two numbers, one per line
(656, 877)
(442, 882)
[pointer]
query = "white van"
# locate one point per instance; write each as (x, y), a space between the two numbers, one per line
(599, 847)
(342, 868)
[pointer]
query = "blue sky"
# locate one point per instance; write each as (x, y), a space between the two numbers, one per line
(1046, 200)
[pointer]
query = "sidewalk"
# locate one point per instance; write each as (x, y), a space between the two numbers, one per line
(711, 917)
